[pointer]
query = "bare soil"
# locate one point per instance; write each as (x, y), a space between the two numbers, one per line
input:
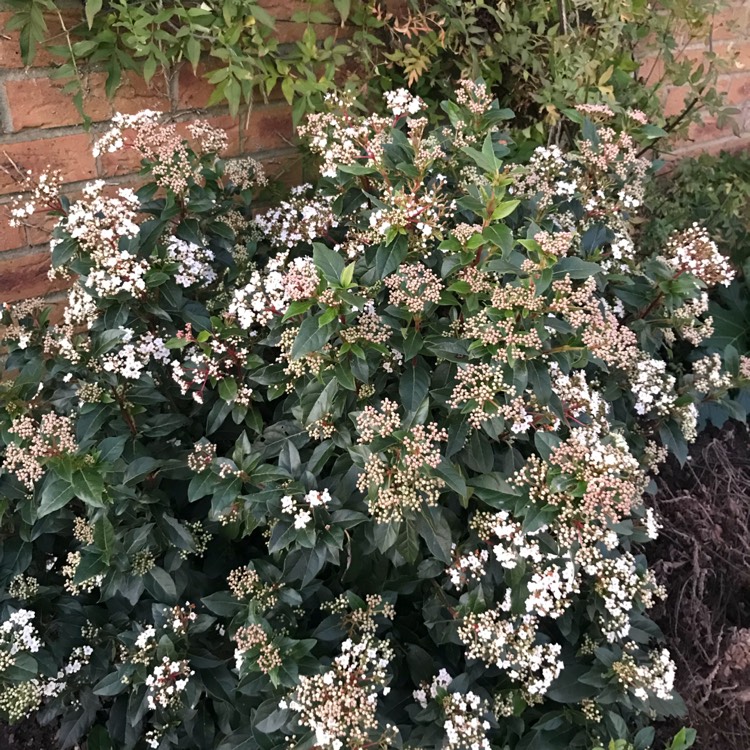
(27, 735)
(703, 557)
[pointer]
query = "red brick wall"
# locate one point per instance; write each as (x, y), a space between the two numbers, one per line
(730, 41)
(39, 126)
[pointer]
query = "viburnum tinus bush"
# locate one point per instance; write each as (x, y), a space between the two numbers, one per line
(366, 469)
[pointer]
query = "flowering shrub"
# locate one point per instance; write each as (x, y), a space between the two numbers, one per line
(367, 470)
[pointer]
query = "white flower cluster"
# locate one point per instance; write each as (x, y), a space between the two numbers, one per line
(578, 397)
(298, 220)
(193, 262)
(693, 251)
(512, 645)
(402, 102)
(427, 692)
(167, 682)
(44, 190)
(548, 175)
(551, 588)
(709, 375)
(469, 567)
(17, 635)
(302, 513)
(618, 583)
(652, 386)
(513, 544)
(262, 297)
(657, 676)
(418, 214)
(462, 713)
(134, 356)
(98, 222)
(553, 579)
(339, 706)
(81, 308)
(114, 139)
(463, 724)
(79, 657)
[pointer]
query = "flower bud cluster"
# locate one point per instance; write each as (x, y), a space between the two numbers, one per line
(382, 422)
(256, 646)
(477, 386)
(245, 173)
(404, 479)
(709, 375)
(474, 96)
(245, 583)
(202, 456)
(370, 328)
(301, 279)
(23, 587)
(686, 320)
(413, 286)
(38, 441)
(69, 571)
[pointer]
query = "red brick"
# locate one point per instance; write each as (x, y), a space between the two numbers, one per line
(287, 168)
(125, 161)
(71, 154)
(38, 231)
(269, 127)
(731, 144)
(651, 70)
(731, 23)
(283, 10)
(24, 277)
(134, 95)
(735, 55)
(41, 102)
(10, 237)
(194, 90)
(739, 89)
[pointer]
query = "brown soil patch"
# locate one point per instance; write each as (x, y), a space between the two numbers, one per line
(703, 558)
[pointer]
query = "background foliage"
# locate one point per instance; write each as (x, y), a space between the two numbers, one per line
(537, 57)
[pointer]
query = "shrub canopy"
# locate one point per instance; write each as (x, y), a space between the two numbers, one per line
(367, 469)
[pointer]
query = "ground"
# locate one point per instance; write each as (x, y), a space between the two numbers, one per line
(703, 556)
(27, 735)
